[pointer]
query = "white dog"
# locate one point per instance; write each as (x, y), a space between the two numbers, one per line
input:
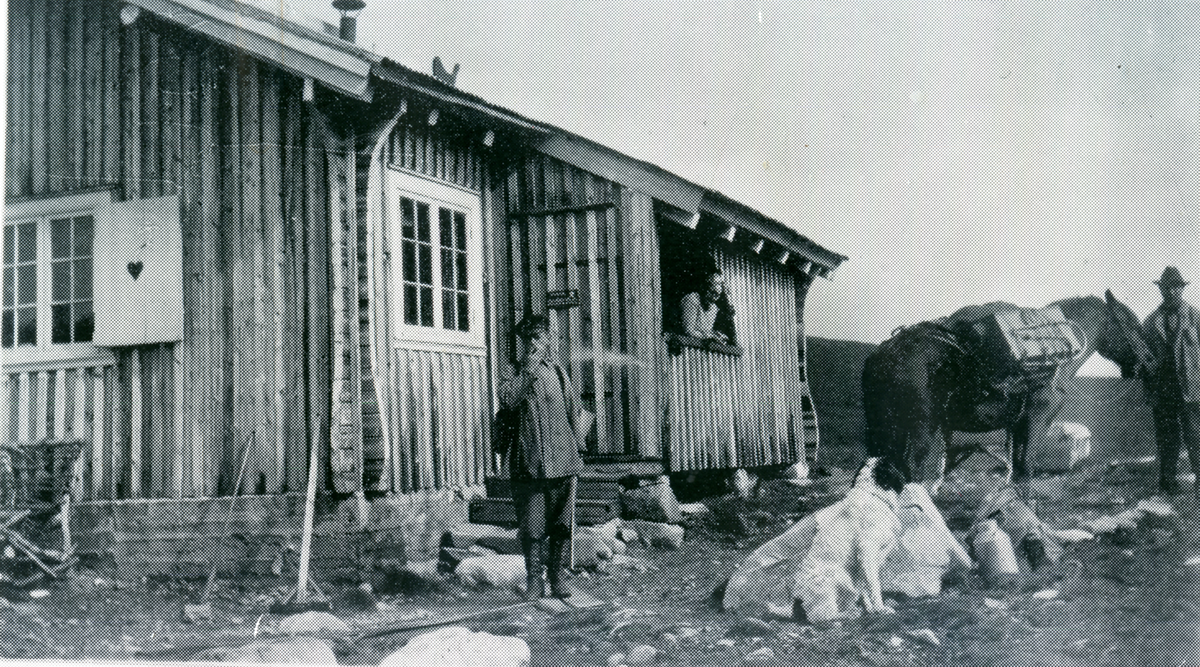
(926, 551)
(849, 548)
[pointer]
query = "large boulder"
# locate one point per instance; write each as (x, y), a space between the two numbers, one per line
(454, 646)
(652, 501)
(502, 571)
(293, 650)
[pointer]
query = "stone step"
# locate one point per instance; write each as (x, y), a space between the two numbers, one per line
(585, 489)
(500, 512)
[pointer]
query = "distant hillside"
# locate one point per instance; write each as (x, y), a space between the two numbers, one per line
(835, 376)
(1112, 408)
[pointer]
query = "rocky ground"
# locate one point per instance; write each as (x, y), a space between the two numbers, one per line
(1131, 600)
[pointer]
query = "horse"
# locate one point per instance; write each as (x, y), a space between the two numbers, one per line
(932, 379)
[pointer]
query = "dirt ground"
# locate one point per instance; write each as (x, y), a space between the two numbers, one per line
(1133, 601)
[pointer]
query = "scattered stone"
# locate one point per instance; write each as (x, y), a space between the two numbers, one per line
(662, 535)
(1048, 594)
(296, 650)
(895, 642)
(197, 613)
(641, 655)
(464, 535)
(925, 635)
(763, 654)
(751, 627)
(726, 643)
(994, 604)
(454, 646)
(1071, 535)
(501, 571)
(39, 593)
(653, 501)
(316, 623)
(743, 484)
(616, 659)
(692, 508)
(450, 557)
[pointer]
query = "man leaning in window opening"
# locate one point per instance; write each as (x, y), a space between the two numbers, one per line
(545, 459)
(699, 310)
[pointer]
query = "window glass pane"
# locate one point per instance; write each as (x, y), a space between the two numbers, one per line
(446, 228)
(60, 238)
(26, 242)
(462, 270)
(60, 323)
(410, 261)
(27, 284)
(410, 304)
(83, 278)
(423, 222)
(7, 334)
(426, 265)
(409, 216)
(84, 323)
(460, 230)
(426, 306)
(448, 309)
(10, 291)
(10, 237)
(27, 326)
(447, 268)
(60, 281)
(83, 236)
(462, 313)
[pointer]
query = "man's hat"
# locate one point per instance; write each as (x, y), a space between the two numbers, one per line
(1171, 277)
(530, 325)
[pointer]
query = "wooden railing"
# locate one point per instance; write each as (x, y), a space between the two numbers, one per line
(52, 403)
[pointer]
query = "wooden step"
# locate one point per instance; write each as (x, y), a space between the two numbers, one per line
(586, 489)
(500, 512)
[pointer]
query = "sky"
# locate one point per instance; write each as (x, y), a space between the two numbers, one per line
(958, 153)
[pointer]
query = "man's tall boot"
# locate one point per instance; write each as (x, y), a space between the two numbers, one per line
(554, 568)
(1168, 462)
(533, 569)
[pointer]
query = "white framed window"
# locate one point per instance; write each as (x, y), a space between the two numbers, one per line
(436, 274)
(46, 313)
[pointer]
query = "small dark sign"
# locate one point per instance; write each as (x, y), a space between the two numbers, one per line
(564, 298)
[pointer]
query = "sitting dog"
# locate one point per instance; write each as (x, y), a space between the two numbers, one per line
(821, 566)
(849, 548)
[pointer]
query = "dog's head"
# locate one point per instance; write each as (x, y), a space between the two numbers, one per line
(881, 472)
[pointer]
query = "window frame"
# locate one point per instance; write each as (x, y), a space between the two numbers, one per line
(434, 193)
(42, 212)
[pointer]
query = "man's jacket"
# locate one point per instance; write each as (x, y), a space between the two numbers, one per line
(548, 445)
(1178, 355)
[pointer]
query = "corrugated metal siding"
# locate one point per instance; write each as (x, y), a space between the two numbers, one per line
(752, 410)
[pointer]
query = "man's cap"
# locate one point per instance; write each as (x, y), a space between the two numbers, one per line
(531, 324)
(1171, 277)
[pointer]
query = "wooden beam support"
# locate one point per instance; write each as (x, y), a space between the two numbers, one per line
(689, 220)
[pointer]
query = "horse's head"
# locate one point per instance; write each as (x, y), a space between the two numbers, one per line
(1121, 340)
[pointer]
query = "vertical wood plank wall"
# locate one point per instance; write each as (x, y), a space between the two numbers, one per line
(149, 109)
(435, 402)
(753, 410)
(613, 339)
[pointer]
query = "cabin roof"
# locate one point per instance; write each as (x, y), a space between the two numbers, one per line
(304, 46)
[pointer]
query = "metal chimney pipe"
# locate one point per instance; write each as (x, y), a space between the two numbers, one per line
(348, 30)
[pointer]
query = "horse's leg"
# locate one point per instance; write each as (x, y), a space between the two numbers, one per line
(1019, 471)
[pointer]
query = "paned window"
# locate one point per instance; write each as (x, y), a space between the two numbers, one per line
(47, 281)
(435, 269)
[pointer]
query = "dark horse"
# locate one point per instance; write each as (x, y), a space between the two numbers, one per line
(931, 379)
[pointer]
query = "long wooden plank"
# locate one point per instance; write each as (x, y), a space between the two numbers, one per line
(113, 34)
(93, 59)
(294, 286)
(19, 98)
(610, 219)
(273, 257)
(131, 125)
(37, 121)
(58, 151)
(572, 257)
(401, 454)
(98, 422)
(76, 94)
(254, 347)
(209, 310)
(316, 290)
(113, 412)
(595, 313)
(152, 145)
(423, 382)
(24, 404)
(187, 361)
(136, 422)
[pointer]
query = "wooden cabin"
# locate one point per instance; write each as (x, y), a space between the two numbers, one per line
(230, 229)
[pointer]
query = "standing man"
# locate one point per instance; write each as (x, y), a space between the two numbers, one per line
(1173, 387)
(544, 461)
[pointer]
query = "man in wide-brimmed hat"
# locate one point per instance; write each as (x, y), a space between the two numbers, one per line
(1173, 386)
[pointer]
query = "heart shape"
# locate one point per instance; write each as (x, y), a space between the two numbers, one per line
(135, 269)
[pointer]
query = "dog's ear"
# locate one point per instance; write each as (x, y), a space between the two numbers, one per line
(890, 476)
